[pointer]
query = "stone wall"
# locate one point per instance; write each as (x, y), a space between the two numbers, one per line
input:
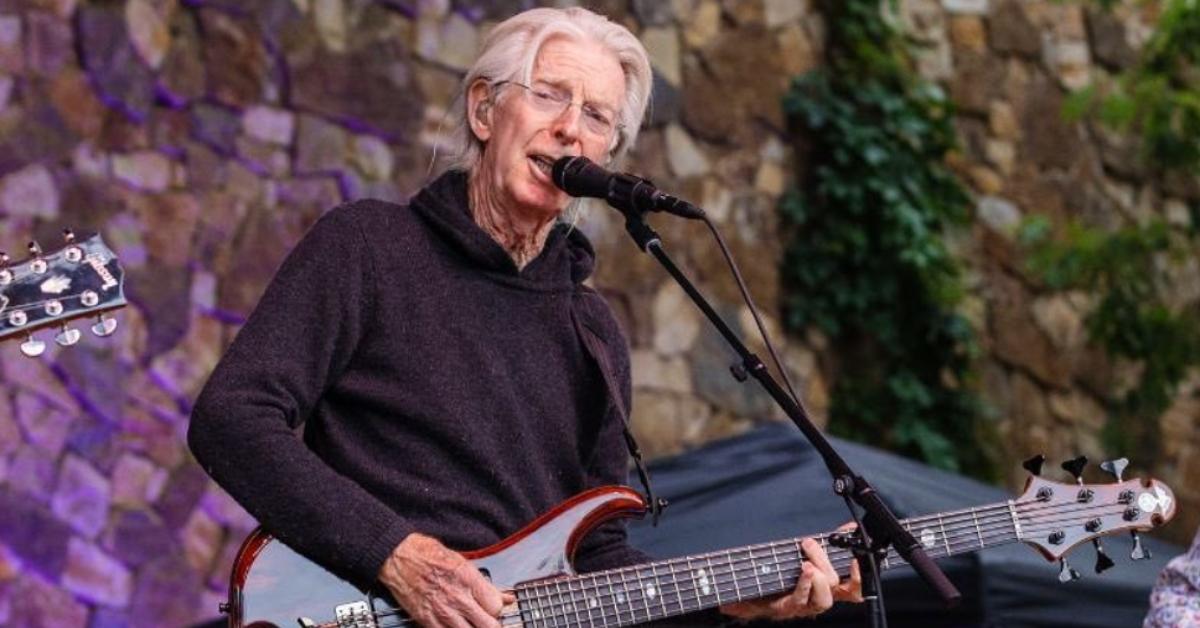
(203, 137)
(1008, 66)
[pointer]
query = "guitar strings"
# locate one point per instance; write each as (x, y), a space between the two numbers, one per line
(971, 536)
(557, 597)
(33, 305)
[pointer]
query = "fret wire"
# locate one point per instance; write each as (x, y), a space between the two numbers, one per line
(625, 594)
(675, 583)
(551, 610)
(596, 601)
(713, 577)
(571, 596)
(556, 599)
(942, 525)
(640, 588)
(658, 587)
(778, 572)
(535, 604)
(978, 534)
(737, 591)
(608, 577)
(754, 567)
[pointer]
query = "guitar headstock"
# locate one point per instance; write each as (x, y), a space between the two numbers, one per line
(81, 279)
(1055, 517)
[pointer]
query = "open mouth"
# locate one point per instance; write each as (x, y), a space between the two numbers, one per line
(543, 163)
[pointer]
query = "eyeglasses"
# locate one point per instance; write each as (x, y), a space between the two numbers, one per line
(598, 121)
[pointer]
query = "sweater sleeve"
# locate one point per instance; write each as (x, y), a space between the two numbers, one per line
(294, 346)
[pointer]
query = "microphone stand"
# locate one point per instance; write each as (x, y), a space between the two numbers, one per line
(879, 528)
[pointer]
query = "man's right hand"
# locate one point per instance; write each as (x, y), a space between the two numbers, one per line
(438, 587)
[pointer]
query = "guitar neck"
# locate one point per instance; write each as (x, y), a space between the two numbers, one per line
(668, 588)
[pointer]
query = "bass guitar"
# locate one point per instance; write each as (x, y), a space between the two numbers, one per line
(271, 585)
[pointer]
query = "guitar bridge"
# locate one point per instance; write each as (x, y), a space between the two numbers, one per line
(354, 615)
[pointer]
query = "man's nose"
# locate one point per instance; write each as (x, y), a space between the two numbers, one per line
(566, 125)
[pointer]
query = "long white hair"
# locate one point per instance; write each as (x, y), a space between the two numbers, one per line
(510, 50)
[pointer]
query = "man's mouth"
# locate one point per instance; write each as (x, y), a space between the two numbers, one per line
(543, 163)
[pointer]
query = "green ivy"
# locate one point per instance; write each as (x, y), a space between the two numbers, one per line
(1133, 317)
(1128, 270)
(1159, 98)
(865, 257)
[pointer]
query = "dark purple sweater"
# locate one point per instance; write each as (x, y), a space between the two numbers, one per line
(441, 389)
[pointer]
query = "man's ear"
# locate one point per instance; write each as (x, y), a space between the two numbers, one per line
(479, 109)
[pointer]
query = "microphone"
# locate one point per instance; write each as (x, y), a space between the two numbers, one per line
(579, 176)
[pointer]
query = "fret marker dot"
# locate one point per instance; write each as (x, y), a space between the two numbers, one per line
(650, 590)
(620, 597)
(766, 569)
(592, 603)
(702, 581)
(928, 537)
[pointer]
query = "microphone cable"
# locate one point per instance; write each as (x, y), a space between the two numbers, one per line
(762, 329)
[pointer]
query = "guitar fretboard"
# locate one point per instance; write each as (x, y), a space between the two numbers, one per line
(668, 588)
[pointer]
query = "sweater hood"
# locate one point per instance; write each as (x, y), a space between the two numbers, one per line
(567, 258)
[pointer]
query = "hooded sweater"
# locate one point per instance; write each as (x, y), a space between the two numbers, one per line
(441, 388)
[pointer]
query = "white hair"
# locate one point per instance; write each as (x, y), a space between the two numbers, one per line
(510, 50)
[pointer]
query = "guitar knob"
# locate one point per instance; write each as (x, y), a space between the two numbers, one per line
(104, 326)
(1065, 572)
(1139, 552)
(67, 336)
(1075, 467)
(32, 347)
(1115, 467)
(1103, 562)
(1034, 464)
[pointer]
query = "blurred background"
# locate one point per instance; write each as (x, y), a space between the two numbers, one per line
(971, 226)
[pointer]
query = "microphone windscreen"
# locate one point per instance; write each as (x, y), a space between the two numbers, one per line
(578, 176)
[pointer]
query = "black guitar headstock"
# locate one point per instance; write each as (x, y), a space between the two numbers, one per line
(49, 290)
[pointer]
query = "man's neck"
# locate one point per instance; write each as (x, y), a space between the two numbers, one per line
(522, 235)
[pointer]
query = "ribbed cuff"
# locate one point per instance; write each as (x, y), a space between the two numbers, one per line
(381, 546)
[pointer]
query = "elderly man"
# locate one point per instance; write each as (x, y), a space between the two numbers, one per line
(436, 354)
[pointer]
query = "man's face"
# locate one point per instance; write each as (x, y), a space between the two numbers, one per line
(524, 135)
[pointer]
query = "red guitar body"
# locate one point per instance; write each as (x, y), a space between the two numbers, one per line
(272, 585)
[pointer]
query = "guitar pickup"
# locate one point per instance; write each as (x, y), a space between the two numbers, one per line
(354, 615)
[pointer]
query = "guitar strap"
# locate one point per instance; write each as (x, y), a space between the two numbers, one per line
(598, 350)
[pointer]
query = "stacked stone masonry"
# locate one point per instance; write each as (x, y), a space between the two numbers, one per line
(202, 138)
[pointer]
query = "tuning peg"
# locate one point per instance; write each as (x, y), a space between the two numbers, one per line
(67, 336)
(104, 326)
(1103, 562)
(38, 265)
(1115, 467)
(1139, 552)
(1066, 573)
(6, 275)
(68, 235)
(32, 347)
(1034, 464)
(1075, 467)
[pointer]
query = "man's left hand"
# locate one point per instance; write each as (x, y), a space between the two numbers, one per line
(818, 588)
